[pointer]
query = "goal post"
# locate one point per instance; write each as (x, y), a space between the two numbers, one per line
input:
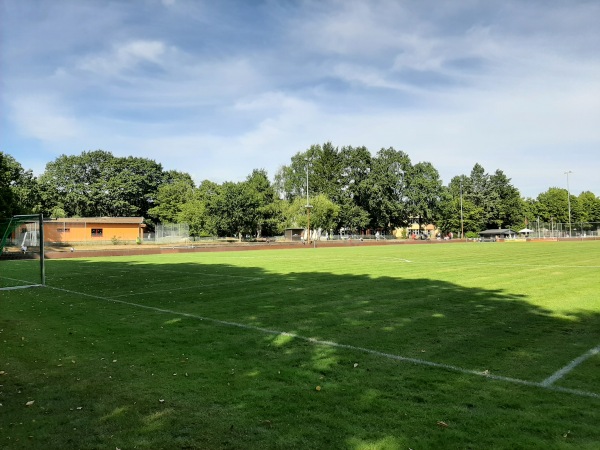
(22, 262)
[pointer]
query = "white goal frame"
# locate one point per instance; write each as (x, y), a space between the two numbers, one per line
(38, 238)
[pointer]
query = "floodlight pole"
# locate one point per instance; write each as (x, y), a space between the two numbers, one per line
(569, 202)
(42, 249)
(308, 206)
(462, 226)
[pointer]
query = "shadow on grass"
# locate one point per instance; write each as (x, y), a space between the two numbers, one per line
(207, 372)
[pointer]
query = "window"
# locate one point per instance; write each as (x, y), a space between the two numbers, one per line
(64, 230)
(96, 232)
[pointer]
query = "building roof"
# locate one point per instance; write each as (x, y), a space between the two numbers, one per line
(496, 232)
(135, 220)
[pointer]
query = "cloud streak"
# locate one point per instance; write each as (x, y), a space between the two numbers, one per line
(218, 89)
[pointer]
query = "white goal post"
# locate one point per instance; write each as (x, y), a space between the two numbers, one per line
(22, 262)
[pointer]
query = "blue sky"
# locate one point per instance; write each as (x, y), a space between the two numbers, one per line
(218, 88)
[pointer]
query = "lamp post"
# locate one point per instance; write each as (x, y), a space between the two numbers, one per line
(569, 202)
(308, 206)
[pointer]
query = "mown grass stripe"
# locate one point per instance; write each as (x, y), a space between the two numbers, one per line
(416, 361)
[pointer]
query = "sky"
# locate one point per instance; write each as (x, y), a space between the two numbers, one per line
(219, 88)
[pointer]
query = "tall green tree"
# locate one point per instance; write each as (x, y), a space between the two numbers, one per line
(356, 165)
(323, 214)
(8, 204)
(505, 203)
(19, 193)
(236, 208)
(268, 216)
(424, 193)
(96, 183)
(589, 205)
(326, 169)
(553, 205)
(170, 198)
(199, 210)
(388, 195)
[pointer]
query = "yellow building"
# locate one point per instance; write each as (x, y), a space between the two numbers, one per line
(94, 230)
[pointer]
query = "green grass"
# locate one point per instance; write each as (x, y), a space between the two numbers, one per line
(187, 350)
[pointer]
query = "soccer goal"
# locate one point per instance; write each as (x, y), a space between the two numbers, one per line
(22, 262)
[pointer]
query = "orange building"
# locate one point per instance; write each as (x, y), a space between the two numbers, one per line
(94, 230)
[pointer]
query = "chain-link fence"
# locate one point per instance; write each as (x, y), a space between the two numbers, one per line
(552, 229)
(169, 233)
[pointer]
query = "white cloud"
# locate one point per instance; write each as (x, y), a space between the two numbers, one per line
(43, 118)
(204, 89)
(124, 57)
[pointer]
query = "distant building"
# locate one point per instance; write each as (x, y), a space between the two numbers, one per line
(91, 230)
(498, 233)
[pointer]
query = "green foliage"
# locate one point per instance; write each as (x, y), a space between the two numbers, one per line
(96, 183)
(388, 197)
(378, 192)
(170, 198)
(19, 193)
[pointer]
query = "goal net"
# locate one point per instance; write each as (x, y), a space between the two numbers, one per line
(22, 252)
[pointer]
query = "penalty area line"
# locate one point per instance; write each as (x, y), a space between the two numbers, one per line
(569, 367)
(391, 356)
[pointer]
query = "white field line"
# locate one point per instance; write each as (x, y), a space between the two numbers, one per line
(12, 288)
(569, 367)
(196, 286)
(415, 361)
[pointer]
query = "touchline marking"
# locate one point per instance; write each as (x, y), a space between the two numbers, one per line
(569, 367)
(416, 361)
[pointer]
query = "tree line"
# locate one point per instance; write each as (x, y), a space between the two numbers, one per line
(348, 187)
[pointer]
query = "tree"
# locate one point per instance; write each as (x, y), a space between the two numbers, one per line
(451, 211)
(7, 197)
(553, 205)
(267, 217)
(324, 213)
(236, 209)
(290, 181)
(353, 217)
(170, 199)
(589, 205)
(198, 210)
(506, 208)
(388, 179)
(424, 193)
(326, 171)
(96, 183)
(355, 170)
(19, 193)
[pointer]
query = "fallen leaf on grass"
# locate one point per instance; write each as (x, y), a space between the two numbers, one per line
(355, 365)
(318, 388)
(30, 402)
(442, 424)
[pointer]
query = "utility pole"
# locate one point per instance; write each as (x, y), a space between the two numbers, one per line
(308, 205)
(462, 226)
(569, 202)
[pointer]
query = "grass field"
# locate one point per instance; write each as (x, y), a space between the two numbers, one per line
(391, 347)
